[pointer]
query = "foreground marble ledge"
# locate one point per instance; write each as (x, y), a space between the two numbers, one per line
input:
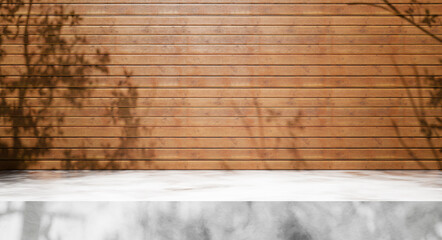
(221, 185)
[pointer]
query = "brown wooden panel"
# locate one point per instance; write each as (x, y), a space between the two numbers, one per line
(148, 50)
(230, 143)
(246, 165)
(218, 84)
(226, 112)
(235, 154)
(222, 1)
(224, 121)
(245, 40)
(253, 60)
(225, 102)
(227, 9)
(238, 82)
(233, 70)
(225, 132)
(46, 91)
(235, 20)
(240, 30)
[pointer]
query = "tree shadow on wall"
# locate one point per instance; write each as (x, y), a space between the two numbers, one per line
(264, 145)
(43, 68)
(421, 17)
(429, 124)
(127, 152)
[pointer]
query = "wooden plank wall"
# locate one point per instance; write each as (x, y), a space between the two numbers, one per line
(216, 84)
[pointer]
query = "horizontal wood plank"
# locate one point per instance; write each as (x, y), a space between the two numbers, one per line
(221, 132)
(233, 154)
(238, 30)
(223, 112)
(222, 1)
(231, 60)
(234, 20)
(221, 121)
(221, 102)
(246, 165)
(45, 92)
(226, 9)
(179, 70)
(159, 82)
(242, 40)
(202, 49)
(221, 143)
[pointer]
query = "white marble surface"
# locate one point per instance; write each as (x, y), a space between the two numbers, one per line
(221, 220)
(221, 185)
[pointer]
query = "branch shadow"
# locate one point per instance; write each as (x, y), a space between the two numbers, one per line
(418, 15)
(262, 143)
(49, 68)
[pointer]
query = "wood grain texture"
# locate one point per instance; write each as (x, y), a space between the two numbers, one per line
(229, 102)
(219, 1)
(235, 154)
(219, 49)
(220, 165)
(217, 84)
(300, 82)
(228, 143)
(246, 39)
(225, 92)
(286, 131)
(255, 60)
(226, 9)
(241, 30)
(237, 20)
(225, 112)
(235, 70)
